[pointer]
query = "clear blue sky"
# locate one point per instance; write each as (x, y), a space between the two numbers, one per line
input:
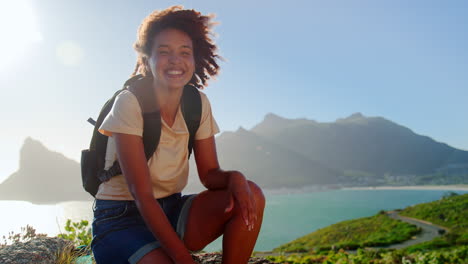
(403, 60)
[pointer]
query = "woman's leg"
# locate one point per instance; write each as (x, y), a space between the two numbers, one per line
(208, 220)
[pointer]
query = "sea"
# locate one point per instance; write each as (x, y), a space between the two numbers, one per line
(288, 214)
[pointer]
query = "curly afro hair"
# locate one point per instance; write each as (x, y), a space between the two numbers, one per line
(195, 25)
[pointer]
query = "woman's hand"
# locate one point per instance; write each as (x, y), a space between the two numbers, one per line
(241, 194)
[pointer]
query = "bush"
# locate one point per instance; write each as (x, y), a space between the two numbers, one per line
(78, 232)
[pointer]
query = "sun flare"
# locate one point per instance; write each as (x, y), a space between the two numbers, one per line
(18, 31)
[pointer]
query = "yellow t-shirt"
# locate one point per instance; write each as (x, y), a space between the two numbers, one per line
(169, 164)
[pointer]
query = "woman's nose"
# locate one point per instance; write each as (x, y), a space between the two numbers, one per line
(174, 58)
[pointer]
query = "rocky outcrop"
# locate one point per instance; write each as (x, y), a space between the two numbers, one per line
(46, 251)
(38, 251)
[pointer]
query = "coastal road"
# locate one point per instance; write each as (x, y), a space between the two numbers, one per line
(429, 231)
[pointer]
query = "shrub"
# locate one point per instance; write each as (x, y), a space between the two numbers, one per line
(78, 232)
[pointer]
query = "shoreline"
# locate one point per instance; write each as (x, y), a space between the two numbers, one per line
(459, 187)
(317, 188)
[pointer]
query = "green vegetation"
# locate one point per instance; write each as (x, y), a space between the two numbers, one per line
(78, 232)
(378, 230)
(81, 236)
(452, 212)
(458, 255)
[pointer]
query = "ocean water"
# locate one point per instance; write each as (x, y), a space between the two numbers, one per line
(287, 216)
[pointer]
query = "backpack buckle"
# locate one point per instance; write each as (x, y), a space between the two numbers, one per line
(114, 170)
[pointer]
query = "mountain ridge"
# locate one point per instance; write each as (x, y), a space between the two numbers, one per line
(277, 153)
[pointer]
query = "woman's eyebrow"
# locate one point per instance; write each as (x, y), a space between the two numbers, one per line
(167, 46)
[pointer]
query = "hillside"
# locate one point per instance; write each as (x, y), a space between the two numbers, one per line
(378, 230)
(452, 247)
(451, 211)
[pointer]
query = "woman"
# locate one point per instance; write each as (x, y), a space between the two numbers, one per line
(140, 216)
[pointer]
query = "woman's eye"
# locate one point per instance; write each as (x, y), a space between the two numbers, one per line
(163, 52)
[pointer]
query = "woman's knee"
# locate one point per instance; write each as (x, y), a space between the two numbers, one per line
(258, 194)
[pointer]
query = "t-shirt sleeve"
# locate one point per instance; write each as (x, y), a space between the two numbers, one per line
(208, 126)
(124, 117)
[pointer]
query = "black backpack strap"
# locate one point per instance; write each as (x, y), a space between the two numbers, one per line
(141, 87)
(99, 141)
(144, 92)
(191, 109)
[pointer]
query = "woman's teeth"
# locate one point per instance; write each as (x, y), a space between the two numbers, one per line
(174, 72)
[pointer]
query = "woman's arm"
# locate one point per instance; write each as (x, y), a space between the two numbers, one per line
(213, 178)
(134, 166)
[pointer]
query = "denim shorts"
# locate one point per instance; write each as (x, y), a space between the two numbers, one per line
(120, 234)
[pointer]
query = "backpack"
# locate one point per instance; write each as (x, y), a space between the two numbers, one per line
(93, 159)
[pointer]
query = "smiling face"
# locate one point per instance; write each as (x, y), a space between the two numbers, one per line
(172, 62)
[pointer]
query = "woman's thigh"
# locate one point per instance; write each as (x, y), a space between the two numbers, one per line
(206, 219)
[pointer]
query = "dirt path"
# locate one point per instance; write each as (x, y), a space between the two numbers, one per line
(429, 231)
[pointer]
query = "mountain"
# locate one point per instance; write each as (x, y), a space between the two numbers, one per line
(277, 153)
(270, 164)
(44, 176)
(367, 145)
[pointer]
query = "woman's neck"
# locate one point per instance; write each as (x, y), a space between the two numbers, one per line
(168, 101)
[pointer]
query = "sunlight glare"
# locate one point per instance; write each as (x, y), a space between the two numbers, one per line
(18, 30)
(69, 53)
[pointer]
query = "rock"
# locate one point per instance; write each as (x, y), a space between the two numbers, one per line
(42, 250)
(216, 258)
(45, 251)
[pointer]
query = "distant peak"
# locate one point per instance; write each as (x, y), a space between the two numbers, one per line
(241, 129)
(271, 116)
(354, 117)
(357, 115)
(30, 143)
(30, 150)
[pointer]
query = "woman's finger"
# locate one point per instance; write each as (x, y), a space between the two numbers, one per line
(245, 211)
(252, 210)
(249, 208)
(242, 200)
(230, 205)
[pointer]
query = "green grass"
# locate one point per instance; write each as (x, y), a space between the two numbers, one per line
(378, 230)
(456, 255)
